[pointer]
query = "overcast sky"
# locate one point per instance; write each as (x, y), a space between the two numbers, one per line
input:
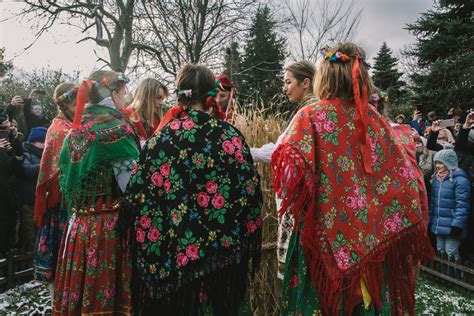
(382, 20)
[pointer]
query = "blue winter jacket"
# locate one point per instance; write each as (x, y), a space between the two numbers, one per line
(449, 203)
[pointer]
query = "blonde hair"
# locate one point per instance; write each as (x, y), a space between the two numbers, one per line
(144, 99)
(334, 78)
(449, 135)
(301, 70)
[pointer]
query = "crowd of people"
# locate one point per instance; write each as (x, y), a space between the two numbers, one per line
(133, 210)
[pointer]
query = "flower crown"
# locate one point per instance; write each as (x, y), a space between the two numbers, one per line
(68, 95)
(122, 79)
(339, 56)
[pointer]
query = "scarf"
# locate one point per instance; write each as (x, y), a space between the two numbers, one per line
(103, 136)
(196, 197)
(351, 220)
(47, 188)
(143, 132)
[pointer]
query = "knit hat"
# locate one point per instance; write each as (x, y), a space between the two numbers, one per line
(448, 158)
(37, 134)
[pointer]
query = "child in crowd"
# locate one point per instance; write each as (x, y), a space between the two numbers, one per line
(449, 207)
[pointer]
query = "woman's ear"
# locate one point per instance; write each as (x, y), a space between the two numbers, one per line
(306, 83)
(114, 96)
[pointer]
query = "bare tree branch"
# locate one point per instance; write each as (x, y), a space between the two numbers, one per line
(317, 23)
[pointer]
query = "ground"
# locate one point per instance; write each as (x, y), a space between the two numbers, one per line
(432, 298)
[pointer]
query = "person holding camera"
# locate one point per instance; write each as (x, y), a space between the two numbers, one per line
(10, 147)
(33, 114)
(418, 123)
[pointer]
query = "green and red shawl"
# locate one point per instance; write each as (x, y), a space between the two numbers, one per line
(47, 187)
(197, 198)
(103, 137)
(352, 217)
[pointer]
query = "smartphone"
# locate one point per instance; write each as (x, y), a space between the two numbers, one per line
(4, 133)
(42, 92)
(447, 123)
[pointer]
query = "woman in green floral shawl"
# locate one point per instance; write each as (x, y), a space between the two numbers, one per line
(197, 200)
(98, 155)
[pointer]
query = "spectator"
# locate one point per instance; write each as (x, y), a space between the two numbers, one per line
(400, 119)
(425, 160)
(465, 150)
(454, 112)
(9, 148)
(456, 129)
(418, 123)
(34, 115)
(440, 138)
(449, 205)
(27, 168)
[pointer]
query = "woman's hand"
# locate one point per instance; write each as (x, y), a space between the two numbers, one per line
(16, 101)
(469, 120)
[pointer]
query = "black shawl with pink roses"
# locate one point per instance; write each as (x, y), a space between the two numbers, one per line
(196, 198)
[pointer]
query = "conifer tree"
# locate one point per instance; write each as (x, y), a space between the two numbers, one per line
(386, 76)
(232, 60)
(263, 58)
(445, 54)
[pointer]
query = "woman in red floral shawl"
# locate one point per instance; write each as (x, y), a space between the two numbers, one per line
(355, 196)
(48, 214)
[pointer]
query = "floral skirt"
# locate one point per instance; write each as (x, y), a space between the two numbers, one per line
(93, 271)
(48, 241)
(300, 297)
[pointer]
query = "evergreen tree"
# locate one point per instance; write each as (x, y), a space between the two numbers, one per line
(445, 55)
(232, 60)
(386, 76)
(263, 58)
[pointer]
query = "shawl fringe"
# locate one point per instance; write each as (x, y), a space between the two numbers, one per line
(223, 291)
(225, 276)
(296, 186)
(47, 196)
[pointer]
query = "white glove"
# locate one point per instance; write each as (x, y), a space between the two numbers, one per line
(263, 154)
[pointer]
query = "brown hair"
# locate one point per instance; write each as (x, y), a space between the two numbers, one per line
(197, 78)
(106, 82)
(301, 70)
(61, 89)
(334, 79)
(144, 100)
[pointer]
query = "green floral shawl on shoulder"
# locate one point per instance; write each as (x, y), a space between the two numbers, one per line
(103, 137)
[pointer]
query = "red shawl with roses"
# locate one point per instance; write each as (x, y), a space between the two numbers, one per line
(351, 222)
(196, 197)
(47, 188)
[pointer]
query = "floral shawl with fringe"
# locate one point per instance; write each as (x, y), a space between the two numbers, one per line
(197, 201)
(350, 221)
(47, 187)
(103, 137)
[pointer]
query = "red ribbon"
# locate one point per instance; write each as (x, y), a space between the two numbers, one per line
(362, 112)
(81, 99)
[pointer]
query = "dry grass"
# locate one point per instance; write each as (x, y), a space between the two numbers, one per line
(258, 130)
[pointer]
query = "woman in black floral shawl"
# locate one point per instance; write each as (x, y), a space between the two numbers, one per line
(196, 200)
